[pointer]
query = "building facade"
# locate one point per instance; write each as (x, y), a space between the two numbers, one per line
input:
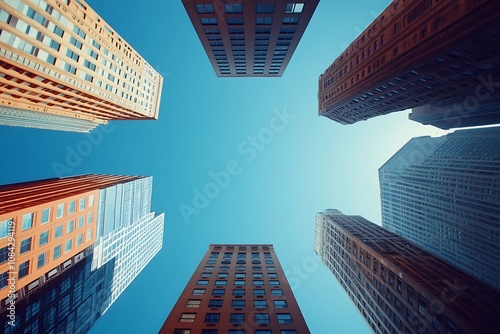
(63, 68)
(248, 37)
(417, 53)
(399, 287)
(444, 195)
(48, 226)
(237, 289)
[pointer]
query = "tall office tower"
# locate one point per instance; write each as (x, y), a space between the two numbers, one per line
(64, 68)
(443, 194)
(53, 221)
(237, 289)
(249, 38)
(397, 286)
(417, 53)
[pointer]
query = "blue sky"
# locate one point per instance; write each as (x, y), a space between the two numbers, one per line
(207, 125)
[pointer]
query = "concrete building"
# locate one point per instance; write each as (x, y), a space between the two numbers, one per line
(399, 287)
(237, 289)
(55, 223)
(443, 194)
(63, 68)
(250, 38)
(441, 56)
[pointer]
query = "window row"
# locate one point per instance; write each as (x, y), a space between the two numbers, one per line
(238, 292)
(239, 282)
(239, 318)
(236, 331)
(236, 303)
(260, 8)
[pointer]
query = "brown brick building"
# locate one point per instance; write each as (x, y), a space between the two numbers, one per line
(237, 289)
(441, 54)
(249, 37)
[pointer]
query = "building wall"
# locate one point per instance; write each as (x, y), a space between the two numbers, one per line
(243, 39)
(414, 53)
(397, 286)
(230, 269)
(45, 243)
(61, 58)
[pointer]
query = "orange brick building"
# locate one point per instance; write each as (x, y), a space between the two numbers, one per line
(44, 224)
(63, 68)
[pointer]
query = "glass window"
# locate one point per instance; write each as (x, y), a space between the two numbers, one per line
(25, 245)
(222, 275)
(27, 221)
(215, 303)
(264, 20)
(79, 239)
(237, 318)
(234, 21)
(45, 215)
(280, 304)
(290, 20)
(294, 8)
(277, 292)
(91, 200)
(238, 292)
(69, 245)
(81, 221)
(239, 282)
(182, 331)
(261, 318)
(263, 331)
(274, 282)
(288, 331)
(198, 292)
(284, 318)
(81, 206)
(57, 252)
(260, 303)
(4, 227)
(236, 331)
(3, 279)
(212, 317)
(90, 218)
(193, 303)
(89, 235)
(257, 275)
(218, 292)
(44, 238)
(41, 260)
(24, 269)
(259, 292)
(70, 227)
(60, 210)
(209, 267)
(4, 254)
(272, 275)
(208, 21)
(221, 282)
(204, 8)
(233, 8)
(265, 8)
(241, 275)
(206, 275)
(238, 304)
(202, 282)
(187, 317)
(71, 207)
(258, 282)
(59, 230)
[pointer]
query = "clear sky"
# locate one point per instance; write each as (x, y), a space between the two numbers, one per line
(207, 125)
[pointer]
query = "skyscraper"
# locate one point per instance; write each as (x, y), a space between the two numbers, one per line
(250, 38)
(237, 289)
(56, 223)
(443, 194)
(397, 286)
(438, 54)
(64, 68)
